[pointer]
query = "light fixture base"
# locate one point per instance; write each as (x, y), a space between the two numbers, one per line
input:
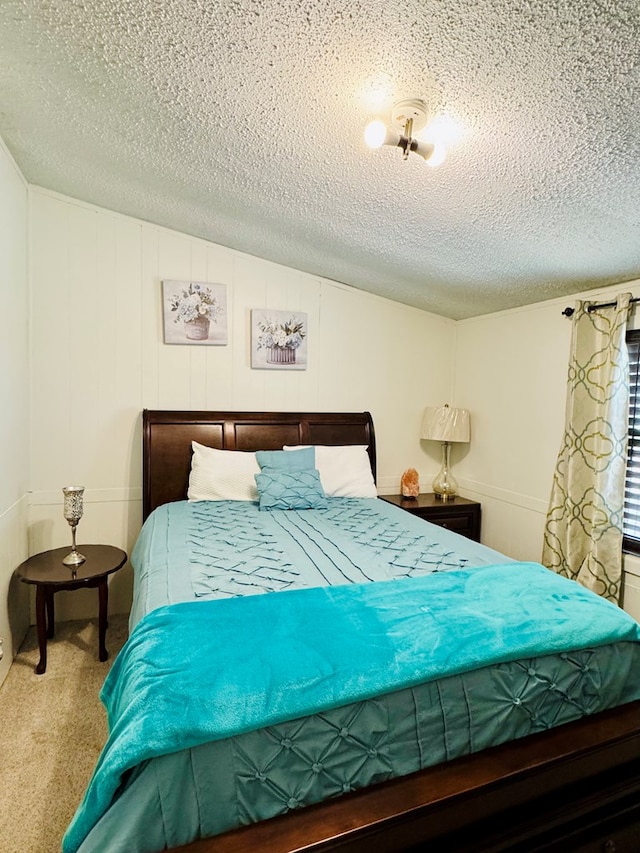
(410, 108)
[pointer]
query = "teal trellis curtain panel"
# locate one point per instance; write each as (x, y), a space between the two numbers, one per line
(583, 531)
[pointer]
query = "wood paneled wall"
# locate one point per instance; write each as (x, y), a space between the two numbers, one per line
(98, 358)
(14, 402)
(511, 371)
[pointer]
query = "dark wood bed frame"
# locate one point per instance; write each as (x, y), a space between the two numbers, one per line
(167, 437)
(573, 789)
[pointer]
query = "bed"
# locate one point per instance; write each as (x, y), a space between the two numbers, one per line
(551, 766)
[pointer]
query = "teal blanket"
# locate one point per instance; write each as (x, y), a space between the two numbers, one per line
(197, 672)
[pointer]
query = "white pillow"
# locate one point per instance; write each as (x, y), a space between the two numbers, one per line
(222, 475)
(345, 470)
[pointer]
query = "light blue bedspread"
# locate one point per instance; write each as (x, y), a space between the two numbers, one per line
(223, 549)
(199, 672)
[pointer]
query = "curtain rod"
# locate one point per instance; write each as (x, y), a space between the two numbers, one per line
(568, 312)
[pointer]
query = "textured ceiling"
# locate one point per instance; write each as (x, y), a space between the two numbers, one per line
(241, 122)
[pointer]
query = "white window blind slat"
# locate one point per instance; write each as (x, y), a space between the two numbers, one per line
(631, 525)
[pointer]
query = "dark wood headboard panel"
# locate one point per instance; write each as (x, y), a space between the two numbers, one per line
(167, 437)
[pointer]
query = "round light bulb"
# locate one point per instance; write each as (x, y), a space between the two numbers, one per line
(439, 155)
(375, 134)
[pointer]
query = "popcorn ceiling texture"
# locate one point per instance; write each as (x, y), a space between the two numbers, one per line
(241, 122)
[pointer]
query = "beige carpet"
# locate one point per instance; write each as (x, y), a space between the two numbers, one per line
(52, 728)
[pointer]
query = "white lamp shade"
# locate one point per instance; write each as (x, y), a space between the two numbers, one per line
(377, 134)
(445, 423)
(438, 155)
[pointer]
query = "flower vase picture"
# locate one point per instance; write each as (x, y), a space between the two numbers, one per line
(278, 340)
(194, 312)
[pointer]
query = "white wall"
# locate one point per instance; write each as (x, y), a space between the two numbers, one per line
(511, 373)
(98, 359)
(14, 402)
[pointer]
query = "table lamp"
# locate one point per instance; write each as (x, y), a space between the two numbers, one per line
(447, 425)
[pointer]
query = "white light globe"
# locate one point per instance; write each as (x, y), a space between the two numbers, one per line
(439, 155)
(375, 134)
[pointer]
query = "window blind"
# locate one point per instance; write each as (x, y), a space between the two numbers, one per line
(631, 527)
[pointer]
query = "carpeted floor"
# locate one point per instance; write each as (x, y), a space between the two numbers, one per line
(52, 728)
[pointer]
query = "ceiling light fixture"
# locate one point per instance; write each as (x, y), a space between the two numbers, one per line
(407, 117)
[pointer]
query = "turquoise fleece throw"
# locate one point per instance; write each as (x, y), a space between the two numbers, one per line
(196, 672)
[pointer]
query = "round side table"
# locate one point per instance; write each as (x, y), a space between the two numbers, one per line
(50, 575)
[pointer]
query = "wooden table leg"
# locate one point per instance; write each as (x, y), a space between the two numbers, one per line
(103, 599)
(41, 625)
(50, 615)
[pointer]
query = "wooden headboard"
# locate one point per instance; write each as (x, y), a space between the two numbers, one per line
(167, 437)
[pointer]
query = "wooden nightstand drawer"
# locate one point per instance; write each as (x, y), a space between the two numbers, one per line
(459, 523)
(459, 515)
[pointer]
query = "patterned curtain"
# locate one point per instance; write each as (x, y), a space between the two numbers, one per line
(583, 533)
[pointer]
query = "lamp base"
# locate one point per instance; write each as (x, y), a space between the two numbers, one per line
(445, 486)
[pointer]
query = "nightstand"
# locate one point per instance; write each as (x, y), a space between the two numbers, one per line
(50, 575)
(457, 514)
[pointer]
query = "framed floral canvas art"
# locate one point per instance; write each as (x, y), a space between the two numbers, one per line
(278, 339)
(194, 312)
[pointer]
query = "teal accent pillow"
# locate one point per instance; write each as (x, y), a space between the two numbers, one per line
(303, 459)
(290, 489)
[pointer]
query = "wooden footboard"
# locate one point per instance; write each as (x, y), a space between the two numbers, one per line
(573, 788)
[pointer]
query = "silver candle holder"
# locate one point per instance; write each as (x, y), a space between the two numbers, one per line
(73, 513)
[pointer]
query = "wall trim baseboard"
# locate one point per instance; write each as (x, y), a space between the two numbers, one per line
(386, 486)
(54, 496)
(14, 505)
(391, 486)
(504, 495)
